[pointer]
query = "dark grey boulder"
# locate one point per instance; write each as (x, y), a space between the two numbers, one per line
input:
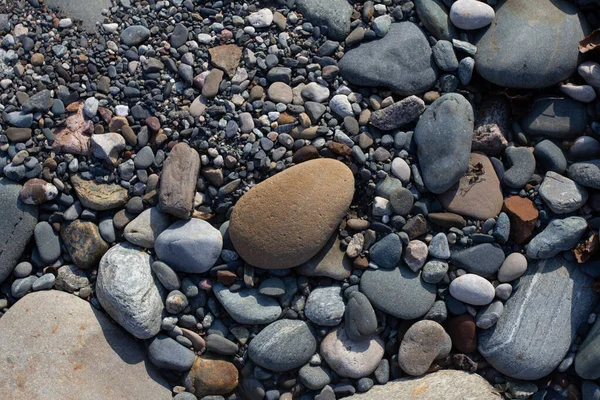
(556, 118)
(586, 173)
(335, 14)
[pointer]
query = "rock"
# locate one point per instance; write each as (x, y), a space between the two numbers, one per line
(61, 330)
(523, 216)
(341, 106)
(590, 72)
(315, 92)
(47, 242)
(39, 102)
(386, 252)
(178, 181)
(267, 235)
(191, 246)
(584, 148)
(99, 196)
(540, 320)
(83, 242)
(360, 321)
(443, 54)
(550, 157)
(471, 14)
(279, 92)
(559, 235)
(483, 259)
(211, 377)
(472, 289)
(283, 345)
(521, 167)
(134, 35)
(586, 173)
(434, 17)
(463, 332)
(492, 126)
(348, 358)
(582, 93)
(335, 14)
(261, 18)
(447, 220)
(74, 136)
(247, 306)
(146, 227)
(438, 247)
(70, 278)
(398, 114)
(314, 377)
(89, 12)
(590, 390)
(166, 353)
(512, 268)
(451, 384)
(557, 118)
(554, 28)
(128, 292)
(179, 36)
(478, 193)
(561, 194)
(400, 169)
(325, 306)
(107, 146)
(18, 134)
(212, 83)
(443, 136)
(330, 261)
(401, 61)
(434, 271)
(226, 57)
(415, 255)
(399, 292)
(37, 191)
(423, 343)
(587, 359)
(489, 315)
(18, 119)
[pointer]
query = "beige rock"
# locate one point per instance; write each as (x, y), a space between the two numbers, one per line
(99, 196)
(84, 243)
(330, 261)
(178, 181)
(226, 57)
(74, 136)
(285, 220)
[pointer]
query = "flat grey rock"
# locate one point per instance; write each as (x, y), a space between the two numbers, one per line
(247, 306)
(556, 117)
(146, 227)
(335, 14)
(540, 320)
(88, 11)
(586, 173)
(562, 194)
(587, 361)
(559, 235)
(484, 259)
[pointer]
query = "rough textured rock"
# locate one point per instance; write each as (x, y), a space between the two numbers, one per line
(559, 235)
(478, 193)
(548, 55)
(398, 114)
(267, 235)
(84, 243)
(443, 136)
(586, 173)
(424, 342)
(52, 328)
(540, 320)
(74, 136)
(523, 216)
(99, 196)
(178, 181)
(446, 384)
(211, 377)
(17, 223)
(330, 261)
(402, 61)
(492, 126)
(561, 194)
(335, 14)
(226, 57)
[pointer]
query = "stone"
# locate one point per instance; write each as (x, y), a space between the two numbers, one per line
(128, 292)
(554, 29)
(584, 148)
(586, 173)
(471, 14)
(191, 246)
(463, 332)
(558, 118)
(83, 242)
(587, 360)
(314, 377)
(523, 216)
(521, 167)
(400, 169)
(179, 36)
(415, 255)
(18, 134)
(212, 83)
(560, 235)
(401, 61)
(166, 275)
(70, 278)
(434, 271)
(438, 247)
(279, 92)
(273, 287)
(178, 181)
(590, 72)
(478, 193)
(434, 16)
(492, 126)
(489, 315)
(37, 191)
(107, 146)
(261, 18)
(267, 235)
(590, 390)
(483, 259)
(398, 114)
(443, 136)
(226, 57)
(472, 289)
(348, 358)
(335, 14)
(512, 268)
(360, 321)
(166, 353)
(325, 306)
(424, 342)
(540, 320)
(341, 106)
(444, 56)
(47, 242)
(399, 292)
(134, 35)
(247, 306)
(18, 119)
(315, 92)
(146, 227)
(386, 252)
(283, 345)
(210, 376)
(39, 102)
(582, 93)
(74, 136)
(99, 196)
(448, 383)
(561, 194)
(58, 329)
(550, 157)
(447, 220)
(330, 261)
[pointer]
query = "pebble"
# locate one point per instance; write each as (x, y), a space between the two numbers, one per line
(261, 19)
(398, 114)
(314, 377)
(434, 271)
(560, 235)
(210, 376)
(550, 156)
(134, 35)
(555, 117)
(561, 194)
(325, 306)
(521, 167)
(247, 306)
(335, 14)
(360, 321)
(146, 227)
(463, 332)
(434, 16)
(582, 93)
(424, 342)
(415, 255)
(47, 242)
(341, 106)
(330, 262)
(386, 252)
(37, 191)
(166, 353)
(83, 242)
(489, 315)
(483, 259)
(512, 268)
(472, 289)
(471, 14)
(443, 54)
(590, 72)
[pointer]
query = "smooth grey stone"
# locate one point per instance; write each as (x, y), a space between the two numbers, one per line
(584, 148)
(360, 321)
(283, 345)
(335, 14)
(39, 102)
(20, 287)
(325, 306)
(218, 344)
(127, 291)
(402, 61)
(44, 282)
(134, 35)
(23, 269)
(489, 315)
(587, 361)
(107, 230)
(502, 228)
(559, 235)
(17, 224)
(590, 391)
(18, 119)
(555, 117)
(272, 286)
(550, 157)
(443, 136)
(47, 242)
(561, 194)
(247, 306)
(386, 253)
(166, 353)
(550, 54)
(314, 377)
(484, 259)
(434, 271)
(521, 167)
(438, 312)
(144, 158)
(179, 36)
(434, 16)
(443, 54)
(465, 70)
(438, 247)
(399, 291)
(146, 227)
(586, 173)
(387, 186)
(166, 275)
(540, 320)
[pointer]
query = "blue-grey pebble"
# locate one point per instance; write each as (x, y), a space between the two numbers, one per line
(434, 271)
(489, 315)
(386, 253)
(550, 157)
(314, 377)
(47, 242)
(502, 228)
(166, 353)
(443, 54)
(560, 235)
(166, 275)
(20, 287)
(465, 70)
(360, 320)
(586, 173)
(44, 282)
(521, 167)
(23, 269)
(484, 259)
(554, 117)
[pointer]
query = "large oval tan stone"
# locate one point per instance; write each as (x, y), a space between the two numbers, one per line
(285, 220)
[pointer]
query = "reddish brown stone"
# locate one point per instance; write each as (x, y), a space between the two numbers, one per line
(463, 332)
(227, 278)
(74, 136)
(523, 215)
(105, 113)
(153, 124)
(305, 153)
(339, 149)
(360, 262)
(212, 377)
(116, 123)
(226, 57)
(178, 181)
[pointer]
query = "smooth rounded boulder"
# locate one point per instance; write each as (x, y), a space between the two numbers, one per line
(547, 33)
(285, 220)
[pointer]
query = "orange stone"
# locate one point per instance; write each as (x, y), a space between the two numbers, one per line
(212, 377)
(523, 215)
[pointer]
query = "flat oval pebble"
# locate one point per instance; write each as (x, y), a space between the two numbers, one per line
(247, 306)
(264, 231)
(472, 289)
(471, 14)
(512, 268)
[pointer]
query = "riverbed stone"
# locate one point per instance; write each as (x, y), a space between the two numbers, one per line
(587, 361)
(331, 261)
(99, 196)
(325, 306)
(483, 259)
(555, 117)
(335, 14)
(83, 242)
(146, 227)
(561, 194)
(424, 342)
(178, 181)
(559, 235)
(247, 306)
